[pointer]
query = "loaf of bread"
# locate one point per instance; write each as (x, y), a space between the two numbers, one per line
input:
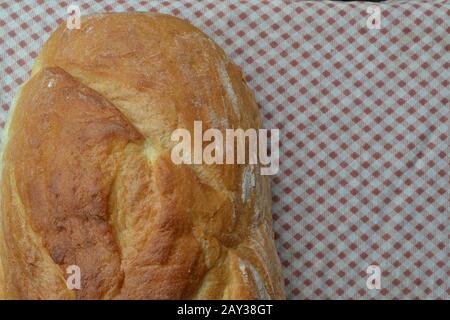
(87, 178)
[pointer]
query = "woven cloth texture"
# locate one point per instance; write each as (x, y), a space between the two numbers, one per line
(364, 121)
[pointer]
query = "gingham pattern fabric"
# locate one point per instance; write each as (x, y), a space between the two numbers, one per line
(364, 119)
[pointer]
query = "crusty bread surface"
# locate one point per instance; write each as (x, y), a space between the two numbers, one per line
(87, 178)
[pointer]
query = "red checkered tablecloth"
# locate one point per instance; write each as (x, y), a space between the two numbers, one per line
(364, 119)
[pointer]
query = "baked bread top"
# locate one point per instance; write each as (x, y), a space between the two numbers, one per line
(87, 177)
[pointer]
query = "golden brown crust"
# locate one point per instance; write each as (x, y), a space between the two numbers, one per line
(87, 177)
